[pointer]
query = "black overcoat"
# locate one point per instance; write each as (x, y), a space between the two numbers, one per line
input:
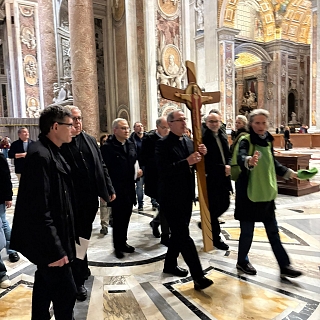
(43, 227)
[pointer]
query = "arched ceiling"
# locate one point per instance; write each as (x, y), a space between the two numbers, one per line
(281, 19)
(246, 59)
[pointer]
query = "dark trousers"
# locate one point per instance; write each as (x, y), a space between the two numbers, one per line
(246, 236)
(180, 241)
(54, 284)
(121, 213)
(86, 212)
(161, 219)
(218, 204)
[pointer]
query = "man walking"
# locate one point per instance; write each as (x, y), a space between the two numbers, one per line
(175, 159)
(151, 177)
(43, 228)
(120, 156)
(19, 149)
(91, 180)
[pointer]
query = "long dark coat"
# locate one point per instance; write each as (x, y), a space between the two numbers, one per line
(218, 184)
(148, 161)
(5, 180)
(245, 209)
(43, 229)
(120, 165)
(17, 147)
(176, 177)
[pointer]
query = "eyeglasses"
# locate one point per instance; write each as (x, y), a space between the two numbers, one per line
(180, 120)
(214, 121)
(77, 118)
(125, 128)
(164, 128)
(69, 125)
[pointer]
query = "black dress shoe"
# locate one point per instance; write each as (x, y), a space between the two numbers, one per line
(118, 254)
(155, 230)
(202, 283)
(81, 293)
(289, 272)
(127, 248)
(14, 257)
(247, 268)
(221, 245)
(176, 271)
(104, 230)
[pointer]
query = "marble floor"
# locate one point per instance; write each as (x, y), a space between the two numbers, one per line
(135, 287)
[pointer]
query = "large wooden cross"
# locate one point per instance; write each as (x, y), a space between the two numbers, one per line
(194, 99)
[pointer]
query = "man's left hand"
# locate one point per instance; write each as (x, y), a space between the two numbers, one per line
(8, 204)
(202, 149)
(139, 173)
(112, 197)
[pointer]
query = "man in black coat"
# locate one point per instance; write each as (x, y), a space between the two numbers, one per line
(43, 227)
(217, 163)
(175, 159)
(19, 149)
(151, 178)
(91, 180)
(120, 156)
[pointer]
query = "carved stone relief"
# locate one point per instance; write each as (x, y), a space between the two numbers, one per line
(30, 69)
(64, 17)
(62, 93)
(28, 38)
(65, 45)
(33, 110)
(168, 7)
(270, 91)
(26, 11)
(118, 9)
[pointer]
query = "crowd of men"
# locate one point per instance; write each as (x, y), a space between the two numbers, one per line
(63, 174)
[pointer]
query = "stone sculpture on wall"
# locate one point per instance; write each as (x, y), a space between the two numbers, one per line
(118, 9)
(26, 11)
(28, 38)
(33, 110)
(30, 70)
(168, 7)
(63, 94)
(198, 7)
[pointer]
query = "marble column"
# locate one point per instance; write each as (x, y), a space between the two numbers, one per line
(240, 85)
(261, 90)
(48, 49)
(83, 63)
(227, 74)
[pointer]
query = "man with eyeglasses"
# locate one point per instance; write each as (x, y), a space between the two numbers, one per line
(151, 178)
(136, 137)
(175, 159)
(217, 164)
(120, 156)
(91, 180)
(43, 223)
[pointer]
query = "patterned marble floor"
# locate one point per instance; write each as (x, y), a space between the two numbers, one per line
(135, 287)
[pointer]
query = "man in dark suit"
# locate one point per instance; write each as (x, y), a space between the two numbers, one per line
(151, 178)
(217, 163)
(43, 227)
(91, 180)
(175, 159)
(19, 149)
(120, 156)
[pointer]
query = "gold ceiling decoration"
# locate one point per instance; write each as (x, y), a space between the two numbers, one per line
(246, 59)
(281, 19)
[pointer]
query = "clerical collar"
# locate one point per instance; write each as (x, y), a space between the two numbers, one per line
(181, 138)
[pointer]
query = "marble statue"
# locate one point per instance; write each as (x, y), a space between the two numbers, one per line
(173, 68)
(162, 77)
(198, 7)
(293, 118)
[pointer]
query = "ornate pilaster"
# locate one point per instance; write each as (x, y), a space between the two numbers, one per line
(227, 74)
(48, 49)
(261, 90)
(83, 63)
(240, 85)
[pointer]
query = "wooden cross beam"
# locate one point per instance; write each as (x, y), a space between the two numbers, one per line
(193, 98)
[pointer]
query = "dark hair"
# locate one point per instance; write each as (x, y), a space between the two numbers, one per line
(50, 115)
(101, 139)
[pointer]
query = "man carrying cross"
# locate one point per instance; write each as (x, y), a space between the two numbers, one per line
(176, 158)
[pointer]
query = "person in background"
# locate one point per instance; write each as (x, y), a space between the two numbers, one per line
(240, 127)
(286, 136)
(256, 193)
(136, 137)
(19, 149)
(105, 211)
(5, 146)
(188, 133)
